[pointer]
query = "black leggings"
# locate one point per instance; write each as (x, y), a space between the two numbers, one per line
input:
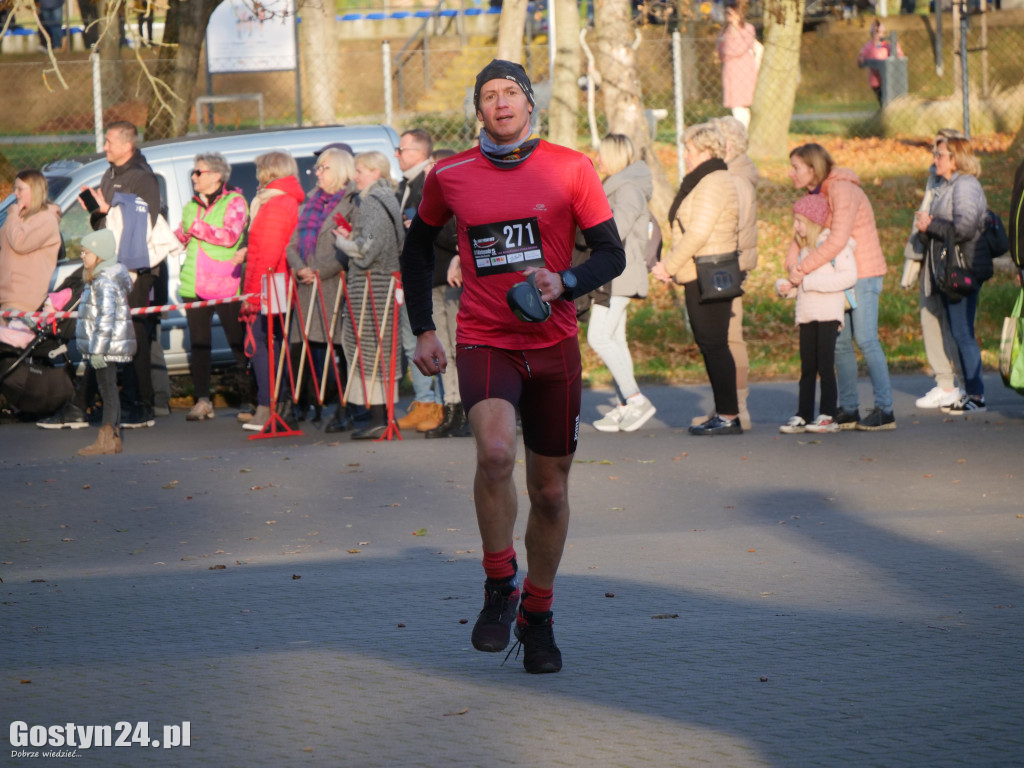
(710, 323)
(818, 359)
(200, 332)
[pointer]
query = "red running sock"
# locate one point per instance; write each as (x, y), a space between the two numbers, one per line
(500, 566)
(536, 600)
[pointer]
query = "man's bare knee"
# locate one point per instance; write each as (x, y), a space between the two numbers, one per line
(549, 497)
(495, 459)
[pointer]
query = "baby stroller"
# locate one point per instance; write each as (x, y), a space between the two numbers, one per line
(36, 372)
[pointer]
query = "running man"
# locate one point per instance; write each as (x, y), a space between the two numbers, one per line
(517, 201)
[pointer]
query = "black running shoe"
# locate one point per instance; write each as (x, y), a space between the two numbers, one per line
(494, 624)
(877, 420)
(536, 633)
(847, 419)
(965, 406)
(70, 416)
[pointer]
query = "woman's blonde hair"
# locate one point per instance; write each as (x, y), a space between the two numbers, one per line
(275, 165)
(616, 152)
(376, 161)
(342, 167)
(817, 158)
(814, 229)
(962, 153)
(39, 189)
(736, 137)
(706, 137)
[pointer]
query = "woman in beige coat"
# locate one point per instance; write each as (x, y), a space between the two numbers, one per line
(705, 221)
(29, 244)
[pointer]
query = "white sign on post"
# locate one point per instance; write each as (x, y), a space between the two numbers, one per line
(251, 36)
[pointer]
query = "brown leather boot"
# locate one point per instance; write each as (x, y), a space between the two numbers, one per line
(442, 429)
(107, 441)
(417, 413)
(433, 419)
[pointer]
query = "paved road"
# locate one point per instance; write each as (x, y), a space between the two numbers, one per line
(763, 600)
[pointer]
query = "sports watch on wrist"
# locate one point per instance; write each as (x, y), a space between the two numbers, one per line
(568, 282)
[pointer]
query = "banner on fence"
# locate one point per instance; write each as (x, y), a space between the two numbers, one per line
(251, 37)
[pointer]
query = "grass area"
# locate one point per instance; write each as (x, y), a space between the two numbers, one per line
(892, 173)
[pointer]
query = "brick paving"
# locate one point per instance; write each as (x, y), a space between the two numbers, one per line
(765, 600)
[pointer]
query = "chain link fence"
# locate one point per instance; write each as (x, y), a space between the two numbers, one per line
(430, 80)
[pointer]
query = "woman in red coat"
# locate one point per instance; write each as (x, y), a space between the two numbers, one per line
(275, 213)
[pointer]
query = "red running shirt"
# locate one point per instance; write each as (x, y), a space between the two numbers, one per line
(509, 219)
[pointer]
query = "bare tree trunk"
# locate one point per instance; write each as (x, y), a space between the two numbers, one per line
(615, 56)
(1016, 150)
(777, 80)
(563, 113)
(177, 67)
(111, 66)
(320, 59)
(510, 30)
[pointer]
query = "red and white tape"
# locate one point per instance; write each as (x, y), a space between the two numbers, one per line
(47, 316)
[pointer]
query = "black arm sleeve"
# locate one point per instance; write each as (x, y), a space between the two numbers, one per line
(607, 258)
(417, 263)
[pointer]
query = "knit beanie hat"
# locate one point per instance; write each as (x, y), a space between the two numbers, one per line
(813, 208)
(102, 243)
(499, 69)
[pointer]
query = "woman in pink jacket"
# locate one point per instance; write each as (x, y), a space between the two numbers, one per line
(736, 50)
(29, 244)
(812, 168)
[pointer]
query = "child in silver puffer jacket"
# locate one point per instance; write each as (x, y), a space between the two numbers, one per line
(104, 332)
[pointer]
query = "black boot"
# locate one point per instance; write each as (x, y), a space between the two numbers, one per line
(286, 412)
(375, 427)
(342, 421)
(460, 423)
(445, 427)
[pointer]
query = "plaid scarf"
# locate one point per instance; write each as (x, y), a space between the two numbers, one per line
(312, 218)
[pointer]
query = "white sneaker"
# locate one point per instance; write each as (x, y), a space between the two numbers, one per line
(611, 420)
(636, 415)
(202, 410)
(937, 397)
(822, 424)
(794, 426)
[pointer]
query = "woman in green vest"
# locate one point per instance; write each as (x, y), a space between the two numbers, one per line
(212, 225)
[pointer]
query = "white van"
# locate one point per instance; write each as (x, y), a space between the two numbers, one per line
(172, 160)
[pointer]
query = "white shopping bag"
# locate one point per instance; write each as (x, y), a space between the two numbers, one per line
(274, 293)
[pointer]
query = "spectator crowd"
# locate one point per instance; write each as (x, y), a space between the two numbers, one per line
(338, 243)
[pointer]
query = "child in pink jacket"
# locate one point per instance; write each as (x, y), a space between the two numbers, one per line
(820, 307)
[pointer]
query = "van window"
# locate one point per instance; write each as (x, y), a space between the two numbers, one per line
(243, 175)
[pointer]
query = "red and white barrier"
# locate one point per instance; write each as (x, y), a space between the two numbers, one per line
(46, 317)
(279, 297)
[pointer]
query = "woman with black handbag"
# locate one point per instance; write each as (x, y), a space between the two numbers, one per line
(952, 227)
(704, 258)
